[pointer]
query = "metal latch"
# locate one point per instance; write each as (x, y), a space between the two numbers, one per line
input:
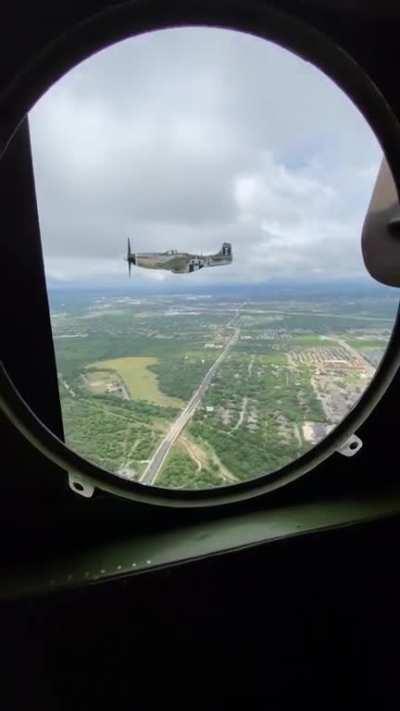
(351, 446)
(80, 485)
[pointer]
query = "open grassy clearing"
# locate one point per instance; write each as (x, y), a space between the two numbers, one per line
(365, 343)
(312, 340)
(100, 382)
(141, 382)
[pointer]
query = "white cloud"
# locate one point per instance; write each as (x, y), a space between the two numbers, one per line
(187, 138)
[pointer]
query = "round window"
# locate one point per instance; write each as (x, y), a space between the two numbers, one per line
(201, 196)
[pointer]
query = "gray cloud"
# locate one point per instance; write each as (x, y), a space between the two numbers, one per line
(185, 138)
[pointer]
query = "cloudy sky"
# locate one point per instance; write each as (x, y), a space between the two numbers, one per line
(185, 138)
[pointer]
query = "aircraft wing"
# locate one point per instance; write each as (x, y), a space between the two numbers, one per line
(180, 264)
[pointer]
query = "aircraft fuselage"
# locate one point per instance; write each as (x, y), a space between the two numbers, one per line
(180, 262)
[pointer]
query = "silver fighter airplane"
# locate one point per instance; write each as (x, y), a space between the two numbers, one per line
(179, 262)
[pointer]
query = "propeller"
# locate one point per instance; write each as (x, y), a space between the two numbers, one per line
(128, 258)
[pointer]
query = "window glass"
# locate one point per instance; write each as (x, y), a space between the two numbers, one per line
(249, 327)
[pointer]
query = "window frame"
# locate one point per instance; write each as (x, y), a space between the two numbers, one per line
(127, 20)
(23, 287)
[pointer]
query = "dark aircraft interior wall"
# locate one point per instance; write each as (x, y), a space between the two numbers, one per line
(283, 626)
(315, 618)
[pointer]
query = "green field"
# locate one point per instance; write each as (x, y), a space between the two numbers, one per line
(365, 344)
(141, 382)
(99, 380)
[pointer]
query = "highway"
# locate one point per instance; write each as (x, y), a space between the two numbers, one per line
(153, 468)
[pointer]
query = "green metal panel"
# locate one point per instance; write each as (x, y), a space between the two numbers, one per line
(96, 563)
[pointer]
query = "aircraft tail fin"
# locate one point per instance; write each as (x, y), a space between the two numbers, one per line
(226, 250)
